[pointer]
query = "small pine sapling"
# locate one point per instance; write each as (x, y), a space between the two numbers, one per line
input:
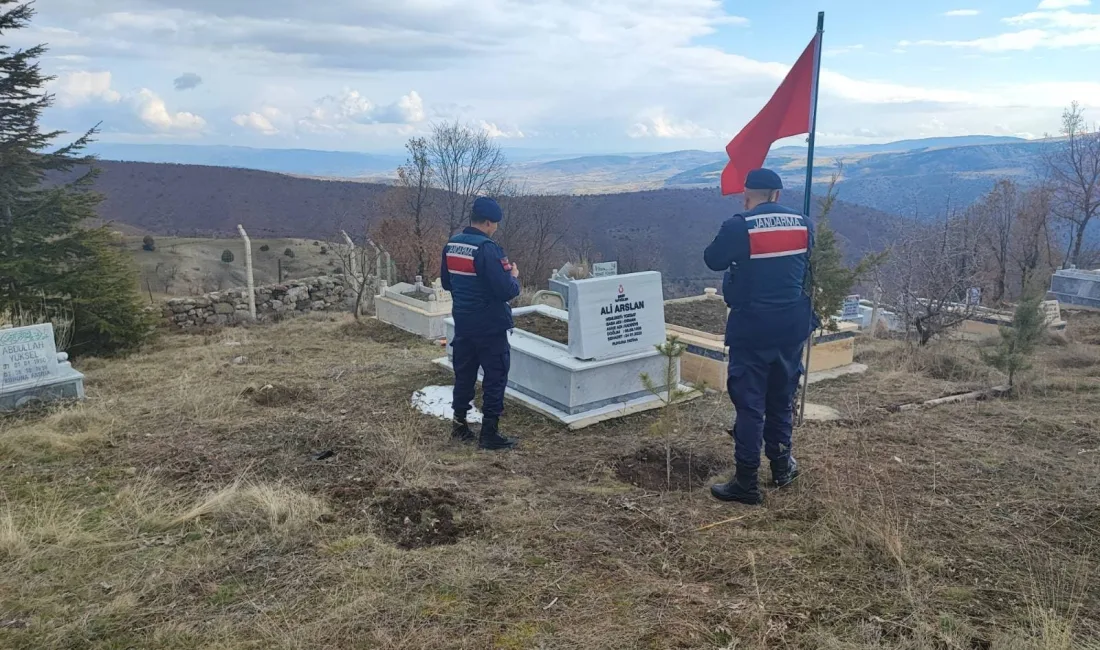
(671, 395)
(1018, 342)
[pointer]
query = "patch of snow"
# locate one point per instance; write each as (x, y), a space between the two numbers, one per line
(436, 401)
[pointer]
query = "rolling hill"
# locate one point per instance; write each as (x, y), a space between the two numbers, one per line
(664, 229)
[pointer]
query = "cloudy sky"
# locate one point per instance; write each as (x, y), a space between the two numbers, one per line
(569, 75)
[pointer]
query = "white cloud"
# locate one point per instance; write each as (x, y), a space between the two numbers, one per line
(81, 87)
(1062, 4)
(658, 124)
(495, 131)
(524, 63)
(350, 107)
(153, 112)
(1043, 29)
(844, 49)
(257, 122)
(957, 13)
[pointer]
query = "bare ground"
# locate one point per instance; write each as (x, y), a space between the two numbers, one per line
(296, 501)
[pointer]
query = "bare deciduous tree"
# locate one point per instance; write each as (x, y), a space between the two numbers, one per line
(1032, 247)
(931, 272)
(358, 261)
(1073, 168)
(465, 163)
(414, 179)
(999, 210)
(532, 233)
(167, 275)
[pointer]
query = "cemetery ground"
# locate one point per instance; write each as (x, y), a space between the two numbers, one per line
(270, 487)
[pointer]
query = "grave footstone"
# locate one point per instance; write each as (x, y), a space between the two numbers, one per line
(31, 369)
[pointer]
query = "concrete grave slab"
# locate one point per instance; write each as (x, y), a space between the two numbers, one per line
(422, 315)
(31, 368)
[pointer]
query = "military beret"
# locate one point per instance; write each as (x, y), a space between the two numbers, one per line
(763, 179)
(486, 209)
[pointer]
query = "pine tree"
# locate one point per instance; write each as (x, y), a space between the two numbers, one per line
(1018, 342)
(46, 258)
(831, 278)
(227, 256)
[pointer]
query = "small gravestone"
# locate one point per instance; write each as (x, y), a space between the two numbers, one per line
(604, 269)
(616, 315)
(32, 370)
(1052, 312)
(850, 310)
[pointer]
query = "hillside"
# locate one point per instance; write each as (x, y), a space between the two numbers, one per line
(665, 229)
(181, 266)
(270, 488)
(904, 182)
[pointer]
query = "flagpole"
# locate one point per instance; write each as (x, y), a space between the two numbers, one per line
(806, 202)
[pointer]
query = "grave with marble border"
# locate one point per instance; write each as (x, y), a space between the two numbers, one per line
(614, 325)
(416, 308)
(706, 359)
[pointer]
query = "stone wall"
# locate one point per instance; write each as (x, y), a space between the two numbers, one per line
(327, 293)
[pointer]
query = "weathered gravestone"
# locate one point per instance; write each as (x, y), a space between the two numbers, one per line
(32, 370)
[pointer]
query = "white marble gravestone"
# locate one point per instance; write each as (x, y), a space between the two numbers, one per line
(31, 369)
(620, 329)
(616, 315)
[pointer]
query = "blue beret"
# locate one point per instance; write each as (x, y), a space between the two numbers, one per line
(486, 209)
(763, 179)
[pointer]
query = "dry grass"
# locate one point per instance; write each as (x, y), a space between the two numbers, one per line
(172, 510)
(242, 506)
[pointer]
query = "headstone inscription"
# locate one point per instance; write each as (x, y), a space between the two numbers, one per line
(616, 315)
(28, 355)
(850, 310)
(31, 368)
(604, 269)
(1052, 312)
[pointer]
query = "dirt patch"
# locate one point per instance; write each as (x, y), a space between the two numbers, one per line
(417, 295)
(278, 395)
(554, 329)
(703, 315)
(375, 331)
(417, 518)
(647, 468)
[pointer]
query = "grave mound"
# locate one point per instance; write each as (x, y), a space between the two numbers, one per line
(272, 395)
(547, 327)
(690, 470)
(703, 315)
(421, 517)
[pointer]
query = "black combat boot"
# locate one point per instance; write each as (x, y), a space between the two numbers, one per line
(742, 488)
(491, 438)
(784, 471)
(460, 430)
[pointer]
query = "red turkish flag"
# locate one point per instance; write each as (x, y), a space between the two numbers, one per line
(787, 113)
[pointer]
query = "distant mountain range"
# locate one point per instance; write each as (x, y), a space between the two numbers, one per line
(909, 177)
